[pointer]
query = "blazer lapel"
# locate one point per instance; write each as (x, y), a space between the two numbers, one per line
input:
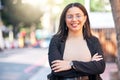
(62, 47)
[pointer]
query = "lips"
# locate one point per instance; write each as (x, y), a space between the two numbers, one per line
(74, 25)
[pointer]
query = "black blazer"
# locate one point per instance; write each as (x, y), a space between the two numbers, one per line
(91, 68)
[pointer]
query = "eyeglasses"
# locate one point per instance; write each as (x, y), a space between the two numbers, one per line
(78, 16)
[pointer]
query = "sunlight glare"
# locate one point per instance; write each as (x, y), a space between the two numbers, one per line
(34, 2)
(58, 1)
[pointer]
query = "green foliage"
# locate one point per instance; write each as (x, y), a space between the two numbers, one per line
(98, 5)
(72, 1)
(66, 2)
(18, 12)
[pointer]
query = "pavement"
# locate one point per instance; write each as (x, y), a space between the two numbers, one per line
(24, 64)
(32, 64)
(110, 68)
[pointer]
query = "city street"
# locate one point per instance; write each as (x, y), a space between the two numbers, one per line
(24, 64)
(27, 27)
(32, 64)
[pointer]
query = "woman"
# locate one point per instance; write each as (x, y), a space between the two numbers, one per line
(74, 53)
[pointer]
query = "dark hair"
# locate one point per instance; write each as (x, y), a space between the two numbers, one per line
(63, 31)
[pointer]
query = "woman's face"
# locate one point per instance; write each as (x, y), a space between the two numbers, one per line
(75, 19)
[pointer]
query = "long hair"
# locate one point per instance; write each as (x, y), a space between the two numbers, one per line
(63, 31)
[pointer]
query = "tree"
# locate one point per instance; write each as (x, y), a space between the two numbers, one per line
(16, 13)
(115, 5)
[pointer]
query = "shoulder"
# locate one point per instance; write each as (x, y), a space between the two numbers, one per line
(93, 39)
(55, 38)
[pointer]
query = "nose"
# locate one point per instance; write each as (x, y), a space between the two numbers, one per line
(74, 18)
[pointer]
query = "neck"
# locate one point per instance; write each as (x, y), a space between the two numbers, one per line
(75, 34)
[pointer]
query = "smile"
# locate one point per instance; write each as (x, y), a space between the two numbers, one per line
(75, 25)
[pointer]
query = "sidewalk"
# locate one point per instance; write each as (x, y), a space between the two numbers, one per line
(42, 73)
(110, 67)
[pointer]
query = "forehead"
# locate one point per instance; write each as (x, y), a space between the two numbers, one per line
(74, 10)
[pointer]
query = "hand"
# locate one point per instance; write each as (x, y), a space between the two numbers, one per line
(96, 57)
(60, 65)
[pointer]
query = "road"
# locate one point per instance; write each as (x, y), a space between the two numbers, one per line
(32, 64)
(24, 64)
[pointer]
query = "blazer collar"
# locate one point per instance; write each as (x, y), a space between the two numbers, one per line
(62, 47)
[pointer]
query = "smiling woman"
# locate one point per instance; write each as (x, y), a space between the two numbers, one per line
(74, 53)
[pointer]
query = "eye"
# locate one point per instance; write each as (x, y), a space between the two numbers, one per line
(69, 16)
(78, 16)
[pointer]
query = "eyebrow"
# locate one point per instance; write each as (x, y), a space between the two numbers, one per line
(75, 14)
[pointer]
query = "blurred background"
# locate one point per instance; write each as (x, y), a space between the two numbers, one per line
(26, 28)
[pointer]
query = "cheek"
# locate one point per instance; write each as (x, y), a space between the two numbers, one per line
(68, 22)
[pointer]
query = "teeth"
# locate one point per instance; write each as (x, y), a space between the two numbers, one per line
(74, 24)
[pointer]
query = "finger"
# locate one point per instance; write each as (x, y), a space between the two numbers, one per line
(54, 65)
(56, 68)
(98, 59)
(96, 54)
(55, 61)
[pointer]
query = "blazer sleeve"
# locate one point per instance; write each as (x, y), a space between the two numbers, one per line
(91, 67)
(54, 54)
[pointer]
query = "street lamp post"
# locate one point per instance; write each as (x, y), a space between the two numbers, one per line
(0, 9)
